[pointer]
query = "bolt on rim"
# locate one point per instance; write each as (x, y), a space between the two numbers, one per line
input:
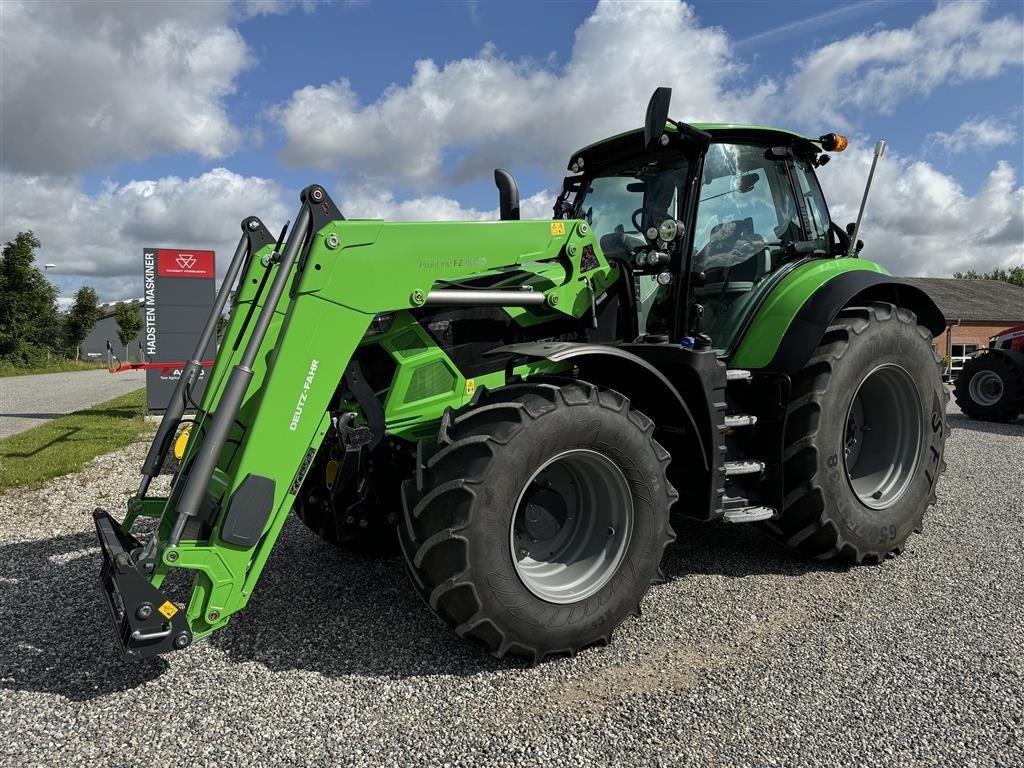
(883, 436)
(572, 526)
(986, 388)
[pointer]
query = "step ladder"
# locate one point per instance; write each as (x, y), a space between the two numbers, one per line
(736, 509)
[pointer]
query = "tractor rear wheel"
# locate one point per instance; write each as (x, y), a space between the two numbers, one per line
(865, 435)
(538, 520)
(357, 510)
(990, 388)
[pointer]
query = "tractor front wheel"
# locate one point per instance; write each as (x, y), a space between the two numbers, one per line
(538, 520)
(865, 435)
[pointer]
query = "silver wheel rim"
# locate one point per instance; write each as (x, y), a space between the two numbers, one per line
(883, 436)
(986, 388)
(572, 526)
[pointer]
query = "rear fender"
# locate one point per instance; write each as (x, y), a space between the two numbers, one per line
(805, 322)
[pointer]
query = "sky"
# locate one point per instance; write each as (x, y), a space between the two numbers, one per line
(132, 125)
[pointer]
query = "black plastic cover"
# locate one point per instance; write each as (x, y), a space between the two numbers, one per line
(248, 511)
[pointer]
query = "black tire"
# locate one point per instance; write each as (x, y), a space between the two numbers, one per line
(360, 513)
(1007, 398)
(457, 532)
(826, 514)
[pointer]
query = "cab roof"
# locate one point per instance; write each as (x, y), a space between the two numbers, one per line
(631, 142)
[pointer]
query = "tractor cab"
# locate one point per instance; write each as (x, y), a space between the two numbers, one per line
(706, 218)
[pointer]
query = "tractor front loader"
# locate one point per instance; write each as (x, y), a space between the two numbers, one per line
(523, 407)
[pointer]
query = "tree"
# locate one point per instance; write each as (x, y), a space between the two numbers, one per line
(81, 318)
(28, 307)
(129, 323)
(1013, 276)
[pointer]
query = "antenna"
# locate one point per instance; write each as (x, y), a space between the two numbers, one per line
(879, 151)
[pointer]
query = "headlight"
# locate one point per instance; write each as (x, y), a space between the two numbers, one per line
(668, 230)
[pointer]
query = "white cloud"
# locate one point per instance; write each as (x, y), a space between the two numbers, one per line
(976, 132)
(875, 71)
(489, 110)
(920, 221)
(98, 98)
(367, 202)
(251, 8)
(85, 84)
(98, 239)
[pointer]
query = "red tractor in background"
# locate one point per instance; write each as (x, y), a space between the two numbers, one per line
(991, 385)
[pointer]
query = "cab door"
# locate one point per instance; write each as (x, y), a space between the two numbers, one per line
(750, 229)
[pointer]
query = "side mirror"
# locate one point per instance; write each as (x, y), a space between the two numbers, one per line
(508, 195)
(747, 182)
(850, 229)
(657, 116)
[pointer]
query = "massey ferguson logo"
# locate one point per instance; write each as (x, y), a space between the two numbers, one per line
(173, 263)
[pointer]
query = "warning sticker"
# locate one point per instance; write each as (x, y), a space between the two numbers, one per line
(557, 227)
(168, 609)
(470, 386)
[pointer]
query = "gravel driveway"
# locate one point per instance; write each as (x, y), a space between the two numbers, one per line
(28, 401)
(747, 656)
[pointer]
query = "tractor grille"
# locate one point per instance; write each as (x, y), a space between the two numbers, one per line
(428, 380)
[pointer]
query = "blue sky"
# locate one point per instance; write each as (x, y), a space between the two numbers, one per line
(281, 95)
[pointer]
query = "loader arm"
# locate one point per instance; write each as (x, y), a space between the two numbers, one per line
(268, 406)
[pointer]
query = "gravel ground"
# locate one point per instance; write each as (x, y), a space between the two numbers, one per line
(28, 401)
(747, 656)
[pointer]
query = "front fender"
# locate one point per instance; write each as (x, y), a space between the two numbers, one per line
(647, 387)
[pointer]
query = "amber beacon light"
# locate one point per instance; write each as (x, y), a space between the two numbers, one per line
(833, 142)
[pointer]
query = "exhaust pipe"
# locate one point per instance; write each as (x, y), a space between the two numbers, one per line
(508, 195)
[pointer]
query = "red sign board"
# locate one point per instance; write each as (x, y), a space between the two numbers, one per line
(171, 263)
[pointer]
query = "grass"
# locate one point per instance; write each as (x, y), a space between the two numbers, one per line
(56, 365)
(65, 444)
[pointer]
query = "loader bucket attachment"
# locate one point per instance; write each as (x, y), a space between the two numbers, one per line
(145, 620)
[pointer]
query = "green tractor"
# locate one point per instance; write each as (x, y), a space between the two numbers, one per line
(522, 407)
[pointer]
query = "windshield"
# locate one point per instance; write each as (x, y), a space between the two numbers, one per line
(619, 206)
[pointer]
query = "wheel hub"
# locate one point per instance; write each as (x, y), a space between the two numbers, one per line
(883, 436)
(545, 514)
(986, 388)
(572, 526)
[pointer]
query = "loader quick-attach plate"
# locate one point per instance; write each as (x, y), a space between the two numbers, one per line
(145, 621)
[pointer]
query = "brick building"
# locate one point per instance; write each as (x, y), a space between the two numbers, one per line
(974, 310)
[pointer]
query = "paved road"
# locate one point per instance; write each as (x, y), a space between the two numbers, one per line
(748, 656)
(27, 401)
